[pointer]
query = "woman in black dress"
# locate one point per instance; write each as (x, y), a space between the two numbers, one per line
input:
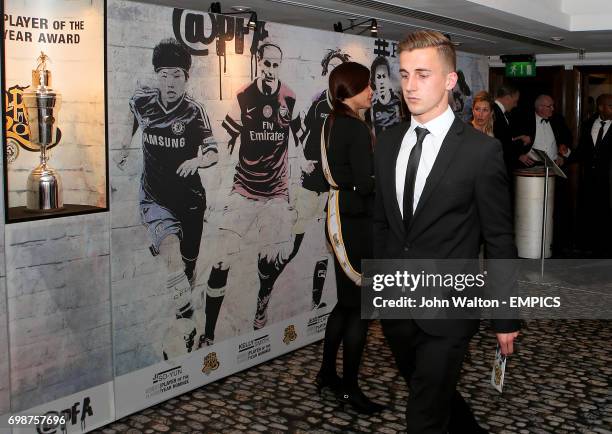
(347, 161)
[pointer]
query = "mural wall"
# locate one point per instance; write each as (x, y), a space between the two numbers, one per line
(212, 257)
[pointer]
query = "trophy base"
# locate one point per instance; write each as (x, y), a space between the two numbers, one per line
(44, 190)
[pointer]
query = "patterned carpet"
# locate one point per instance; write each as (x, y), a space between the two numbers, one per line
(557, 382)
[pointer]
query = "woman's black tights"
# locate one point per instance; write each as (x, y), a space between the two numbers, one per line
(345, 326)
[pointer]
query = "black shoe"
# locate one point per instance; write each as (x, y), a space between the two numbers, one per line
(361, 403)
(324, 380)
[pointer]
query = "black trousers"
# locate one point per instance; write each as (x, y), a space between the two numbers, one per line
(431, 366)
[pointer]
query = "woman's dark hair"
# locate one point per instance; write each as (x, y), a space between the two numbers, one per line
(346, 81)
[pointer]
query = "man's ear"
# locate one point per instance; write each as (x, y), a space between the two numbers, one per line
(451, 80)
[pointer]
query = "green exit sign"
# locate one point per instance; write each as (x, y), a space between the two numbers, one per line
(520, 69)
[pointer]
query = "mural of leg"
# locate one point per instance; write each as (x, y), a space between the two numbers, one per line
(270, 267)
(215, 292)
(318, 281)
(180, 335)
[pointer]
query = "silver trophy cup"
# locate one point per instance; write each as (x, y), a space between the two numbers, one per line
(44, 192)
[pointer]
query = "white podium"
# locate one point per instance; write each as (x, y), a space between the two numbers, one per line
(534, 194)
(528, 215)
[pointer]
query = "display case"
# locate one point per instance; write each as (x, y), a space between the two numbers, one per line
(54, 130)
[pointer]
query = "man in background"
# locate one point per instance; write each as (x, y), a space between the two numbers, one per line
(506, 100)
(594, 153)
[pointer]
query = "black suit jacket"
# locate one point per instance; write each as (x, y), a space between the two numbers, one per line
(504, 131)
(595, 165)
(465, 200)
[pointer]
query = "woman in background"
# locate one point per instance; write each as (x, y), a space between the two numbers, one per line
(347, 162)
(482, 112)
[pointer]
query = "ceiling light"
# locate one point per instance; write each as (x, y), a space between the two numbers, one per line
(374, 28)
(241, 8)
(557, 38)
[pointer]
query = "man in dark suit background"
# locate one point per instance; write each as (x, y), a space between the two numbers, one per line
(506, 99)
(594, 153)
(431, 203)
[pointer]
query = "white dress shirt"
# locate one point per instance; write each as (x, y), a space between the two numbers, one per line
(596, 127)
(545, 138)
(437, 128)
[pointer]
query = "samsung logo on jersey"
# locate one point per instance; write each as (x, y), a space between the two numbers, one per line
(166, 142)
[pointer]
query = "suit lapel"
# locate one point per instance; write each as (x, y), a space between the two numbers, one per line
(396, 213)
(443, 160)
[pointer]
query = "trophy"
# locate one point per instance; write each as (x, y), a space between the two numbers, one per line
(44, 192)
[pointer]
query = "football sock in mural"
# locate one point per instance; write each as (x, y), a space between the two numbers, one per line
(318, 280)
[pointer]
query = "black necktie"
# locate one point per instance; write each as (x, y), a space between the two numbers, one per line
(600, 134)
(545, 120)
(411, 172)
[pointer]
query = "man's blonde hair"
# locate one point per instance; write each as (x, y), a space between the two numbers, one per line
(431, 38)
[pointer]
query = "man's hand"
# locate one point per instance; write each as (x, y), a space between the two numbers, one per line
(526, 160)
(506, 342)
(559, 161)
(188, 167)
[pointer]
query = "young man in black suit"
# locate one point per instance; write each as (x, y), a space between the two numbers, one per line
(440, 187)
(594, 153)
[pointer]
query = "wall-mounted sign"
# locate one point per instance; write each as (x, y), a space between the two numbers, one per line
(520, 69)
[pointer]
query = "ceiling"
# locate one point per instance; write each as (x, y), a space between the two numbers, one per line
(489, 27)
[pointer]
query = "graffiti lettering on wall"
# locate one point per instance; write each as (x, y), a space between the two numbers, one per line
(70, 417)
(384, 48)
(198, 30)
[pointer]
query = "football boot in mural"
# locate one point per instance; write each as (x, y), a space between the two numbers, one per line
(179, 338)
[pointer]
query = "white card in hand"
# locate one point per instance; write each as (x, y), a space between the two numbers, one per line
(499, 370)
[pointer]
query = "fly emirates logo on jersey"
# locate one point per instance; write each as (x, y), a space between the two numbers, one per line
(268, 133)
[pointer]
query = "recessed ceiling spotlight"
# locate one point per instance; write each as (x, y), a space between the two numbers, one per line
(557, 38)
(456, 44)
(240, 8)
